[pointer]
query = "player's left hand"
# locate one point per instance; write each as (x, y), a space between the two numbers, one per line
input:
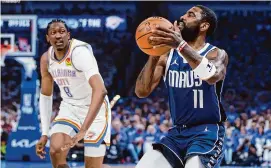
(167, 37)
(79, 136)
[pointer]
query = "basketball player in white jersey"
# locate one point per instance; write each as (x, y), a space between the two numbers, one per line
(84, 111)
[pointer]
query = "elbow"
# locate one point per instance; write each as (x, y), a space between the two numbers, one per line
(104, 92)
(99, 92)
(211, 82)
(141, 94)
(213, 79)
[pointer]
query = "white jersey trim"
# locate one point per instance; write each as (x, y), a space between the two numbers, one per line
(214, 47)
(168, 63)
(204, 48)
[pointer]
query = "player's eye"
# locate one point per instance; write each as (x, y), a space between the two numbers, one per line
(62, 31)
(190, 14)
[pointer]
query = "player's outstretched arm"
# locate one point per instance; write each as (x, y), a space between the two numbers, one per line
(150, 75)
(45, 104)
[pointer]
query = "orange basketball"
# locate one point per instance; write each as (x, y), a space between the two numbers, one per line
(143, 32)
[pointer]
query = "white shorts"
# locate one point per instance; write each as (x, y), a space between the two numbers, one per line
(74, 116)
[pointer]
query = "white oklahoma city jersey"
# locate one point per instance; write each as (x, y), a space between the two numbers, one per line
(73, 72)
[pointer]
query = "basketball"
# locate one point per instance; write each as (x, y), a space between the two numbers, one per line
(143, 32)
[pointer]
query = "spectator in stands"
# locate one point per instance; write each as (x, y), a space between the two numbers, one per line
(231, 114)
(258, 140)
(149, 138)
(120, 134)
(229, 146)
(114, 153)
(247, 154)
(131, 132)
(267, 147)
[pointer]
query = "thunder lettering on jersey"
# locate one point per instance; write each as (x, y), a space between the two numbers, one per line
(73, 85)
(191, 100)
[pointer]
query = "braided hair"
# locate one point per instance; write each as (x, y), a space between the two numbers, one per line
(56, 21)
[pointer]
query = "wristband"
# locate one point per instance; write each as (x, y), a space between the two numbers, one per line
(205, 69)
(181, 45)
(45, 104)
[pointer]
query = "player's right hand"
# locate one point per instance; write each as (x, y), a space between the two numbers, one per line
(40, 146)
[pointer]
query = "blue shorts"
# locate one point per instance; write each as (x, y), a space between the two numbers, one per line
(206, 141)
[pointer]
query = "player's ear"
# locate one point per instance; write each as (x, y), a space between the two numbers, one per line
(47, 39)
(69, 35)
(204, 26)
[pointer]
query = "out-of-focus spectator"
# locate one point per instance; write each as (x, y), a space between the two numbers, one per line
(149, 138)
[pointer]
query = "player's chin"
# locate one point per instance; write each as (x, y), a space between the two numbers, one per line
(60, 48)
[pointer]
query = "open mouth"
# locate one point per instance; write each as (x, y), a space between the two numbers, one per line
(180, 23)
(59, 43)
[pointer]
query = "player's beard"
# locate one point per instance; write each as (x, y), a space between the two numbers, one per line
(59, 49)
(190, 34)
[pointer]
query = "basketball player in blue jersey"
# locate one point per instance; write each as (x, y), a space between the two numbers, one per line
(193, 72)
(84, 112)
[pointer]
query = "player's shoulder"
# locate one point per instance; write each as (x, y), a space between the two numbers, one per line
(217, 52)
(79, 45)
(44, 62)
(81, 49)
(44, 57)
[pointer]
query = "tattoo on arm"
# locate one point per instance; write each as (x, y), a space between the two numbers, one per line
(191, 55)
(220, 62)
(152, 74)
(141, 74)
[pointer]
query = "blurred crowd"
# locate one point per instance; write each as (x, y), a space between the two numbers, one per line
(137, 123)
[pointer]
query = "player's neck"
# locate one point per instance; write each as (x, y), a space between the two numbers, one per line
(198, 44)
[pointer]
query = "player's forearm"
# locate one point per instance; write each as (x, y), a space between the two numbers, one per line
(46, 103)
(96, 103)
(144, 80)
(191, 56)
(220, 73)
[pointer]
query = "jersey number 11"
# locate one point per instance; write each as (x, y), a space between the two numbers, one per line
(198, 95)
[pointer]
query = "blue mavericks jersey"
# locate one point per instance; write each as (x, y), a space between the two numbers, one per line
(191, 100)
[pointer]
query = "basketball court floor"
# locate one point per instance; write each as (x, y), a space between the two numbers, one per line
(5, 164)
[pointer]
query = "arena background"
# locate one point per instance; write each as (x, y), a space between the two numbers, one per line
(244, 31)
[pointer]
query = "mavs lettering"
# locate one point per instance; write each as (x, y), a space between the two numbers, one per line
(183, 79)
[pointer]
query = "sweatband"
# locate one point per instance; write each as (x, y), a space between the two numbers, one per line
(46, 108)
(205, 69)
